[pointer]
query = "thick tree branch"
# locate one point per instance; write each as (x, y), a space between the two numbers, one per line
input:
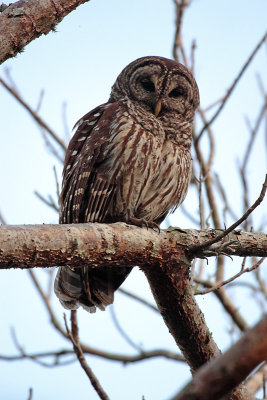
(26, 20)
(164, 257)
(222, 374)
(28, 246)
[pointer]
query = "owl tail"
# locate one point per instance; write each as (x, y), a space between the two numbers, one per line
(89, 288)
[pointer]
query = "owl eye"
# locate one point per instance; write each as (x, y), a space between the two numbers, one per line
(148, 85)
(177, 92)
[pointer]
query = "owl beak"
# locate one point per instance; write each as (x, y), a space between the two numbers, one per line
(158, 108)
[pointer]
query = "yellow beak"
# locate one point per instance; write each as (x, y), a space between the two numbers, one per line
(158, 108)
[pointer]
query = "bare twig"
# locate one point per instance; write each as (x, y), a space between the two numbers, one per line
(49, 202)
(30, 394)
(232, 87)
(227, 304)
(238, 222)
(208, 184)
(34, 114)
(220, 284)
(121, 358)
(224, 197)
(40, 101)
(74, 337)
(255, 382)
(192, 56)
(122, 331)
(243, 168)
(65, 123)
(180, 6)
(2, 219)
(139, 299)
(189, 215)
(262, 284)
(253, 132)
(57, 184)
(124, 358)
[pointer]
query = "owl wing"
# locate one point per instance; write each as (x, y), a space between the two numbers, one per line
(86, 193)
(85, 197)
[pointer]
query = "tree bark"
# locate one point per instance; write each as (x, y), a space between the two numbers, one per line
(221, 375)
(28, 246)
(164, 257)
(26, 20)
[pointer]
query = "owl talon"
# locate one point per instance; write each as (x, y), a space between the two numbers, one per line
(143, 222)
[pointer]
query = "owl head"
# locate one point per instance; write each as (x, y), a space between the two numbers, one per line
(158, 85)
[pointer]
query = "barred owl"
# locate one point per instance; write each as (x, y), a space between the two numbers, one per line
(130, 161)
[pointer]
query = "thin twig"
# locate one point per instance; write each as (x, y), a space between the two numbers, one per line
(39, 101)
(178, 44)
(224, 197)
(122, 331)
(49, 202)
(253, 132)
(232, 87)
(238, 222)
(262, 284)
(201, 204)
(2, 219)
(65, 123)
(33, 113)
(123, 358)
(211, 139)
(208, 184)
(220, 284)
(192, 56)
(30, 394)
(56, 180)
(189, 215)
(255, 381)
(74, 337)
(138, 298)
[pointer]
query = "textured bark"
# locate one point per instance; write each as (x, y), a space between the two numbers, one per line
(164, 257)
(117, 244)
(26, 20)
(221, 375)
(170, 284)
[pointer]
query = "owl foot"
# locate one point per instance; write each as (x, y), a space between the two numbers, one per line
(143, 222)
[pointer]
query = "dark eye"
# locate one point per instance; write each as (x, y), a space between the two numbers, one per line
(148, 85)
(177, 92)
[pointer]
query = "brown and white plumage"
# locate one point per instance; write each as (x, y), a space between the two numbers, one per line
(130, 161)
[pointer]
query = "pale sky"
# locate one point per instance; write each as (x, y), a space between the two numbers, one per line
(77, 66)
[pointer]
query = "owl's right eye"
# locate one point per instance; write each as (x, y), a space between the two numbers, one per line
(148, 85)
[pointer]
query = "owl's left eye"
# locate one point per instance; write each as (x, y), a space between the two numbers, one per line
(177, 92)
(148, 85)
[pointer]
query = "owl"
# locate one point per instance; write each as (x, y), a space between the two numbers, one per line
(129, 161)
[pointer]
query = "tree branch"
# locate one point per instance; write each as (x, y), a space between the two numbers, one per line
(34, 114)
(232, 87)
(238, 222)
(162, 256)
(44, 246)
(222, 374)
(26, 20)
(74, 337)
